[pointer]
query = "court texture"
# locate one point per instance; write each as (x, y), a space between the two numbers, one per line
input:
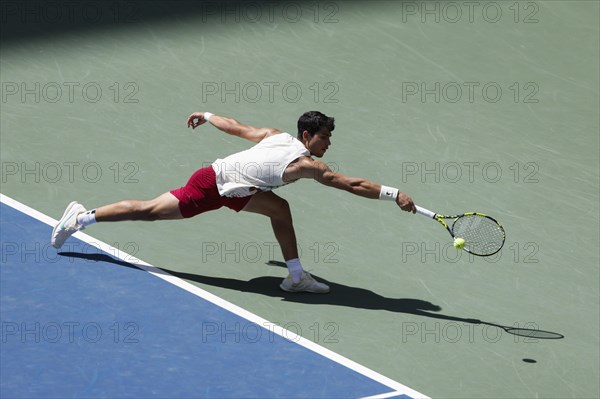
(485, 106)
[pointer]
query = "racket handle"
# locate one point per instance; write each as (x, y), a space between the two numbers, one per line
(425, 212)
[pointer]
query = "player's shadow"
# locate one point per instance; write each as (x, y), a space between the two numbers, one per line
(340, 295)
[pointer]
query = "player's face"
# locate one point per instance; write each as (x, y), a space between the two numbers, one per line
(319, 142)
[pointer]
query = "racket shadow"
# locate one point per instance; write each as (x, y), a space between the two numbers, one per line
(341, 295)
(526, 332)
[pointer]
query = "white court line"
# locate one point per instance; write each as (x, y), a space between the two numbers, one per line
(287, 334)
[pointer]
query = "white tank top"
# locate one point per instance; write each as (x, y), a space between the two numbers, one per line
(260, 167)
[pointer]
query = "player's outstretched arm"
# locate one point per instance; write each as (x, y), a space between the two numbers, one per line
(307, 168)
(230, 126)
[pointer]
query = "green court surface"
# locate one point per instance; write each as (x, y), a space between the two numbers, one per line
(484, 106)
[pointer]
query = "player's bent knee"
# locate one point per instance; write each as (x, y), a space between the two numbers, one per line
(270, 205)
(285, 206)
(281, 210)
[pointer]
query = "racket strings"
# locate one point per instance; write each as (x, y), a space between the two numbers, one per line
(482, 235)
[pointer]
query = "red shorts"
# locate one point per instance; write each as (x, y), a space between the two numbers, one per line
(200, 194)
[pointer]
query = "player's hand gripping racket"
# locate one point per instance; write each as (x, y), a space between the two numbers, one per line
(482, 234)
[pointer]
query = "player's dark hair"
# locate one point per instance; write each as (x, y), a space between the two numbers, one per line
(313, 121)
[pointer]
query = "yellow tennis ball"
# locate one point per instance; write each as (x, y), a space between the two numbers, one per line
(459, 243)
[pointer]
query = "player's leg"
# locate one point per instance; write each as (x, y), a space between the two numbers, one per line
(163, 207)
(75, 218)
(278, 210)
(199, 195)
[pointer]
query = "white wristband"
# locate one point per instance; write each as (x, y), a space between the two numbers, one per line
(388, 193)
(207, 116)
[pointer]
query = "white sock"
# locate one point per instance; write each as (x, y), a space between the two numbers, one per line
(295, 269)
(86, 218)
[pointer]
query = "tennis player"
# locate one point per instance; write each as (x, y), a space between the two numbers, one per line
(244, 182)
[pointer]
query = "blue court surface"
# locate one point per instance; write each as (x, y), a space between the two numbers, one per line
(95, 322)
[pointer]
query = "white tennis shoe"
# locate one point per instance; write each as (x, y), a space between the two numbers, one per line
(307, 284)
(67, 225)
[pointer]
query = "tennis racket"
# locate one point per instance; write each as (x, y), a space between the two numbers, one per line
(483, 235)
